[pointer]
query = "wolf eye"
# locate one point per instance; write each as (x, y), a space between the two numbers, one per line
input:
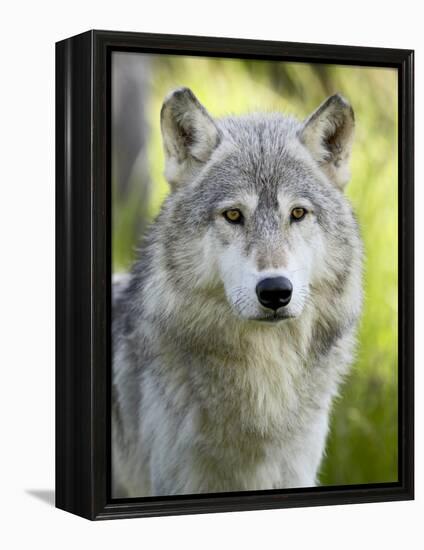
(298, 214)
(233, 215)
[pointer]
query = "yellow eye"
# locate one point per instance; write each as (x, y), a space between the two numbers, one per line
(233, 215)
(298, 213)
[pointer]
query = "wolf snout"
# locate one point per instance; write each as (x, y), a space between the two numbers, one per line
(274, 292)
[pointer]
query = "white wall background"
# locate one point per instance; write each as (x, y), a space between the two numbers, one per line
(28, 32)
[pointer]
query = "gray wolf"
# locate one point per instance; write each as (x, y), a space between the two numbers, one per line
(235, 327)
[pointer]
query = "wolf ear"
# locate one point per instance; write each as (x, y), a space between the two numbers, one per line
(328, 135)
(189, 136)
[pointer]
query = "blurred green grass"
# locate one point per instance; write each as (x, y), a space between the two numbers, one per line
(362, 446)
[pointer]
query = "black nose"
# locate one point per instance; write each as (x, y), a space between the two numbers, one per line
(274, 292)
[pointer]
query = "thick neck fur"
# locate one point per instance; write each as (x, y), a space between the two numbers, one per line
(234, 359)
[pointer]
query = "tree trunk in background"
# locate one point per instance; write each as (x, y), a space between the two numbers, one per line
(130, 133)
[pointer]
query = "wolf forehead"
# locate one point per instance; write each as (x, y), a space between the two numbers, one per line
(260, 154)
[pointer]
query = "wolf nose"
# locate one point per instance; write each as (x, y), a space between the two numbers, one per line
(274, 292)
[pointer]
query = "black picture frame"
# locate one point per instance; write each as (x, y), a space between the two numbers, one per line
(83, 253)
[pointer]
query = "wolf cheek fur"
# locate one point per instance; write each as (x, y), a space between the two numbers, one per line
(214, 390)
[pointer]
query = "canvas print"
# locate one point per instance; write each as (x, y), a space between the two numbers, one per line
(254, 275)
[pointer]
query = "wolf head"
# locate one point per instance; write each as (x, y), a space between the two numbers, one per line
(257, 212)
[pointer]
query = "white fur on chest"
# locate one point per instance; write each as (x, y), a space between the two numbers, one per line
(246, 422)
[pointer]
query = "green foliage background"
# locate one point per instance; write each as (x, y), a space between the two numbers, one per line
(362, 447)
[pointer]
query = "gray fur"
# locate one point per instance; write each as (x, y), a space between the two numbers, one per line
(210, 391)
